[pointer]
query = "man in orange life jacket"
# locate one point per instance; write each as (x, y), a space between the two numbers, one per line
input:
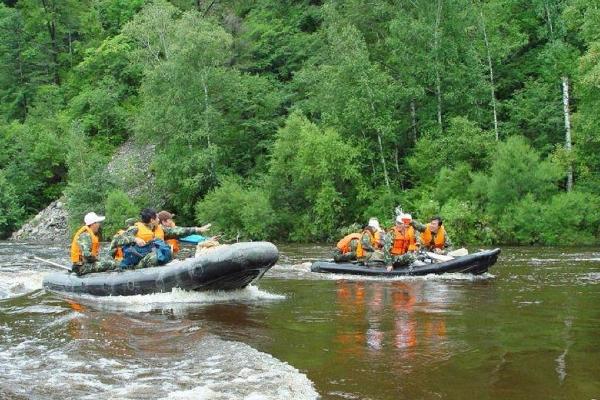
(149, 229)
(370, 247)
(433, 236)
(403, 242)
(85, 248)
(345, 249)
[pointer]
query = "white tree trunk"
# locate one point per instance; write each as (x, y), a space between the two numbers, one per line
(413, 116)
(565, 89)
(436, 46)
(491, 69)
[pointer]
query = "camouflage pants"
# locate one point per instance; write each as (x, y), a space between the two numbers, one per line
(149, 260)
(339, 257)
(376, 257)
(96, 266)
(403, 260)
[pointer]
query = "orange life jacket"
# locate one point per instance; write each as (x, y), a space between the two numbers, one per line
(403, 242)
(76, 254)
(344, 243)
(143, 232)
(373, 238)
(434, 242)
(119, 250)
(174, 243)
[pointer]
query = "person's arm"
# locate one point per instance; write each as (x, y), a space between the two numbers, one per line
(418, 226)
(366, 242)
(125, 238)
(447, 243)
(175, 232)
(85, 245)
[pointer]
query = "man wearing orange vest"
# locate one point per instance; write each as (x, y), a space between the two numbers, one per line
(433, 236)
(150, 229)
(403, 242)
(345, 249)
(370, 247)
(85, 248)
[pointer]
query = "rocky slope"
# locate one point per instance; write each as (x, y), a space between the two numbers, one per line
(129, 170)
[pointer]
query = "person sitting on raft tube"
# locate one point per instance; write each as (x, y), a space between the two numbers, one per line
(166, 221)
(85, 247)
(149, 229)
(345, 249)
(403, 242)
(370, 246)
(433, 236)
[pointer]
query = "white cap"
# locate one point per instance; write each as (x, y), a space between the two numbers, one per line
(402, 217)
(92, 217)
(374, 222)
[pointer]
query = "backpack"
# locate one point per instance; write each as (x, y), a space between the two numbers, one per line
(132, 254)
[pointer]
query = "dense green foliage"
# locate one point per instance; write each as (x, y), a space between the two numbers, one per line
(293, 120)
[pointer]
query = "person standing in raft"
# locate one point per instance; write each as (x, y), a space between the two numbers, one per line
(371, 243)
(403, 242)
(345, 249)
(85, 248)
(149, 230)
(433, 236)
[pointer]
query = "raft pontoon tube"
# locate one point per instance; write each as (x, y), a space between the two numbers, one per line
(476, 263)
(228, 267)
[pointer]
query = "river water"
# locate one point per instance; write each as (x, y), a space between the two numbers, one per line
(528, 329)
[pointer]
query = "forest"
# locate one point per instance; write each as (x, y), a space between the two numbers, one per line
(298, 120)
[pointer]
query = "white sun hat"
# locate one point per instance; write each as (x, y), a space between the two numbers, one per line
(91, 218)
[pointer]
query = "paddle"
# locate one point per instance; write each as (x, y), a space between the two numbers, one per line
(450, 256)
(49, 262)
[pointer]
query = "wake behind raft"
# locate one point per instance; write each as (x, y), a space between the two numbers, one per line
(228, 267)
(476, 264)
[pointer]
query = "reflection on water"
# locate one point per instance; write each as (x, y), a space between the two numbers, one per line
(527, 330)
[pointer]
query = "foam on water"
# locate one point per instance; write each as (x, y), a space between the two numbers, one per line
(19, 282)
(210, 368)
(177, 299)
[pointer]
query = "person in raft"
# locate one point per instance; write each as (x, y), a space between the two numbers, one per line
(167, 223)
(85, 247)
(403, 242)
(433, 236)
(370, 247)
(345, 249)
(149, 230)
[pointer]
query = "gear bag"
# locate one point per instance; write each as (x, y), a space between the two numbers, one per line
(132, 254)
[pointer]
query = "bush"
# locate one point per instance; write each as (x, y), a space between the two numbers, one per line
(118, 209)
(237, 212)
(11, 213)
(465, 224)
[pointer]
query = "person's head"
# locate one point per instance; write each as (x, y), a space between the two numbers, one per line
(130, 222)
(93, 221)
(374, 223)
(166, 218)
(148, 216)
(435, 223)
(400, 222)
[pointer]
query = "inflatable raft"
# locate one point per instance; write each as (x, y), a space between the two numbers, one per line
(476, 263)
(224, 268)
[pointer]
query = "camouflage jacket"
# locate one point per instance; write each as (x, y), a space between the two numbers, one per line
(128, 237)
(84, 241)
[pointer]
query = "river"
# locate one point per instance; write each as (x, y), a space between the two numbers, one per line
(528, 329)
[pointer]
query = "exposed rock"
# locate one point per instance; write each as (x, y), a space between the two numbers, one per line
(129, 170)
(49, 225)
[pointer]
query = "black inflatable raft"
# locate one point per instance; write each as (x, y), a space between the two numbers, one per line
(476, 263)
(225, 268)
